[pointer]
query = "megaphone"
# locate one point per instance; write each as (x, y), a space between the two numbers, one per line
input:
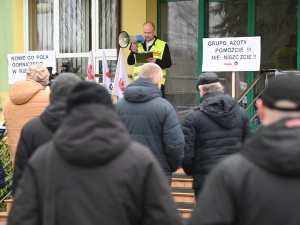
(125, 39)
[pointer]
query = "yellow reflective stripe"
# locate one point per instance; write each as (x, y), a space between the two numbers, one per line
(139, 64)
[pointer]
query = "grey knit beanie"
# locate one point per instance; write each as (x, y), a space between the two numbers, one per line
(62, 85)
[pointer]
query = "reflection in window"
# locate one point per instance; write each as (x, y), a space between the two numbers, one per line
(275, 26)
(75, 25)
(74, 29)
(107, 26)
(179, 27)
(74, 19)
(229, 19)
(41, 25)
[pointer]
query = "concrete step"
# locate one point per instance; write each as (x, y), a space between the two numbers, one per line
(182, 182)
(180, 170)
(183, 197)
(183, 194)
(185, 213)
(186, 205)
(180, 175)
(182, 189)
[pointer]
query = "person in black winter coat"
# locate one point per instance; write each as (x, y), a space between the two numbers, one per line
(260, 184)
(2, 176)
(152, 120)
(92, 172)
(2, 171)
(41, 129)
(212, 130)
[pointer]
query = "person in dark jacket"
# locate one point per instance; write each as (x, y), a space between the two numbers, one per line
(212, 130)
(92, 172)
(260, 184)
(152, 120)
(3, 133)
(2, 176)
(41, 129)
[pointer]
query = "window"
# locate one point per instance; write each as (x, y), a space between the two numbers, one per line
(179, 27)
(277, 27)
(72, 29)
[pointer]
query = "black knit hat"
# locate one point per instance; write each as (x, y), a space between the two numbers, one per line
(88, 92)
(282, 87)
(207, 78)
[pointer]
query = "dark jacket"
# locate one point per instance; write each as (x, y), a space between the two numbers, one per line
(35, 133)
(164, 63)
(212, 132)
(260, 185)
(2, 176)
(152, 121)
(99, 176)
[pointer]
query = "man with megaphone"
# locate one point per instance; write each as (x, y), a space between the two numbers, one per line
(159, 48)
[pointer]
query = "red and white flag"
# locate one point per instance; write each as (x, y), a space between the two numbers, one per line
(106, 75)
(90, 70)
(121, 79)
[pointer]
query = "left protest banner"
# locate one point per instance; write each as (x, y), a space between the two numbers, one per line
(18, 63)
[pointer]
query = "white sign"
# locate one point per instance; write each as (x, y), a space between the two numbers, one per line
(231, 54)
(18, 63)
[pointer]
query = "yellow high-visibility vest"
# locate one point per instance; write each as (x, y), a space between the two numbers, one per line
(284, 58)
(158, 50)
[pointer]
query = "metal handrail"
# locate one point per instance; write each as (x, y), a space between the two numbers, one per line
(254, 82)
(256, 79)
(6, 196)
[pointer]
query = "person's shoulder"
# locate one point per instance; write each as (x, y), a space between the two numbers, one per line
(232, 164)
(140, 153)
(31, 124)
(194, 115)
(164, 103)
(45, 92)
(159, 40)
(40, 155)
(119, 103)
(242, 111)
(196, 110)
(43, 96)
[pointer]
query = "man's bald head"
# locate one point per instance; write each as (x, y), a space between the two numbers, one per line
(152, 72)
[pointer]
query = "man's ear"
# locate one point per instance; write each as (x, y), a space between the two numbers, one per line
(221, 87)
(158, 82)
(201, 91)
(260, 108)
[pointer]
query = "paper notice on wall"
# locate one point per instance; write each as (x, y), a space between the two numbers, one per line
(18, 63)
(231, 54)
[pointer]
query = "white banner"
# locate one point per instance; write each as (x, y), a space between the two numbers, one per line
(231, 54)
(18, 63)
(121, 78)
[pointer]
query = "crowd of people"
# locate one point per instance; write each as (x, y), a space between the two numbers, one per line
(78, 158)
